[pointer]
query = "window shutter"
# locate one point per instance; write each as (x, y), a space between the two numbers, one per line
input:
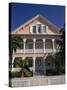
(46, 28)
(30, 29)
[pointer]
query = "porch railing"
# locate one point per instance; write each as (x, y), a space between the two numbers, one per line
(48, 50)
(36, 50)
(29, 50)
(39, 51)
(19, 51)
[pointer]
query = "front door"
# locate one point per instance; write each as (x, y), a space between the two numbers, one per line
(39, 66)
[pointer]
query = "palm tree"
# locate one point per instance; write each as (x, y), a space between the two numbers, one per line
(26, 72)
(15, 42)
(24, 65)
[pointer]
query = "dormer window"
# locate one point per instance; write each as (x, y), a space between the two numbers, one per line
(39, 28)
(34, 29)
(44, 29)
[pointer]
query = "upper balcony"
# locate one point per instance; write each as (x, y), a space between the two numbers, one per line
(36, 51)
(38, 46)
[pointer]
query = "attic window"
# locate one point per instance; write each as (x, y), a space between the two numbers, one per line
(39, 28)
(34, 29)
(45, 28)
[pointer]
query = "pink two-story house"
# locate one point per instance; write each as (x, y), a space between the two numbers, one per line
(39, 40)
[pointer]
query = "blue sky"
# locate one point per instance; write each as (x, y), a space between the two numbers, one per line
(20, 13)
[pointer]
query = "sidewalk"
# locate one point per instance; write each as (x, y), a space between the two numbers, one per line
(38, 80)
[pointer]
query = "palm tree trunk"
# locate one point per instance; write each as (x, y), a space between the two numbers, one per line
(12, 64)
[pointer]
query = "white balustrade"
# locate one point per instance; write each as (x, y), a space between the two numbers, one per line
(39, 50)
(48, 50)
(19, 51)
(29, 51)
(36, 50)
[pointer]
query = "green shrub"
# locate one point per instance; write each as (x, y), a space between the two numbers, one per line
(28, 73)
(15, 74)
(25, 71)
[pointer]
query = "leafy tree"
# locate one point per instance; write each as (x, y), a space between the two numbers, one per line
(60, 56)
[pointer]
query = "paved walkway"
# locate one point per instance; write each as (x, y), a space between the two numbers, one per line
(38, 80)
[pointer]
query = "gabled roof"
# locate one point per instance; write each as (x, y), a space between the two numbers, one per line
(41, 18)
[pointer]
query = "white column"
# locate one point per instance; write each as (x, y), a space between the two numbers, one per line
(34, 40)
(34, 65)
(44, 44)
(24, 40)
(36, 29)
(44, 64)
(42, 29)
(13, 60)
(53, 44)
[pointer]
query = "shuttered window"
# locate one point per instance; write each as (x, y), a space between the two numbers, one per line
(44, 28)
(34, 29)
(39, 28)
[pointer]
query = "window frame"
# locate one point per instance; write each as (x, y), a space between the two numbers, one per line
(44, 29)
(33, 28)
(39, 27)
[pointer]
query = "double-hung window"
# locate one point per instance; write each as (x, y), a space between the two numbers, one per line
(39, 28)
(34, 29)
(44, 29)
